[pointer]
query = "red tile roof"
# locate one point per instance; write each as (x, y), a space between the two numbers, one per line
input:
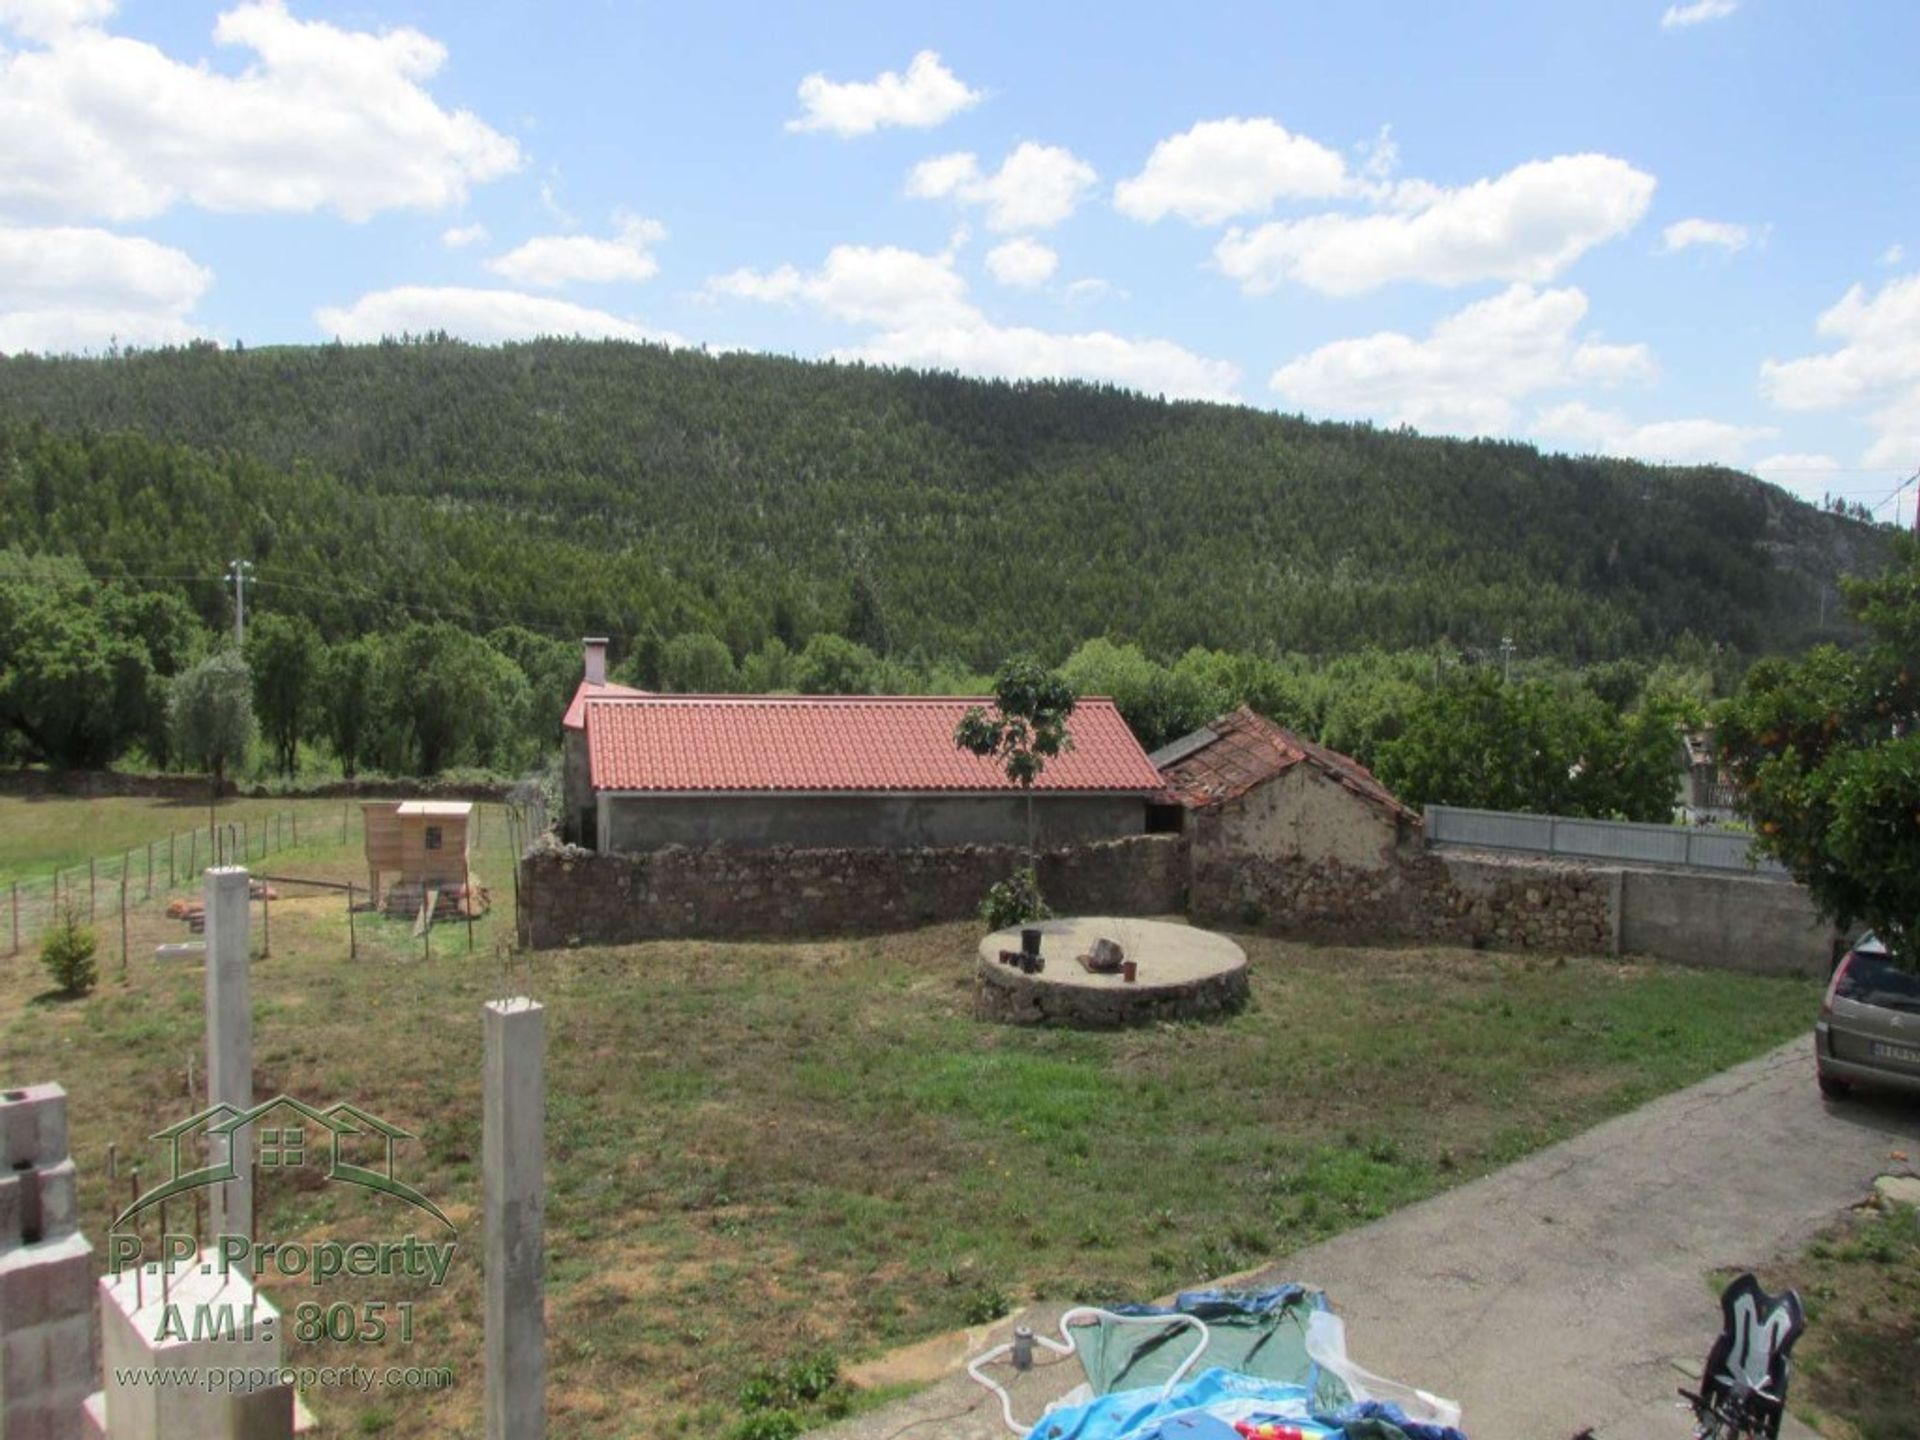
(576, 716)
(1247, 749)
(836, 742)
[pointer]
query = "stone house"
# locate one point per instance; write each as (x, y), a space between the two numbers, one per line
(1264, 809)
(834, 771)
(577, 822)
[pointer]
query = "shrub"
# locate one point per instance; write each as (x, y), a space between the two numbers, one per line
(1014, 900)
(68, 953)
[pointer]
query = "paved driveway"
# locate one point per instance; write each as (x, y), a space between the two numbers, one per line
(1560, 1292)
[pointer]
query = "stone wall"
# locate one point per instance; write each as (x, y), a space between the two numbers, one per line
(571, 896)
(1417, 896)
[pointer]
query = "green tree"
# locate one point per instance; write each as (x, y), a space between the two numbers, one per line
(67, 952)
(552, 669)
(444, 689)
(1826, 751)
(1026, 727)
(211, 708)
(75, 690)
(833, 665)
(350, 700)
(1533, 746)
(768, 669)
(697, 664)
(284, 652)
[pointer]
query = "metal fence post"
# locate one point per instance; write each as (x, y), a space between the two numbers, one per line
(16, 917)
(90, 889)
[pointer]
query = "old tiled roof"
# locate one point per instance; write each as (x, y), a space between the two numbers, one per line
(576, 717)
(1246, 748)
(836, 743)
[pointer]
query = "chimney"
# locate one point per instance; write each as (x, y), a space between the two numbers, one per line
(596, 647)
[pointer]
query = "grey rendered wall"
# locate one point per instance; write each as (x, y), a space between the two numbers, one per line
(859, 821)
(578, 824)
(1765, 927)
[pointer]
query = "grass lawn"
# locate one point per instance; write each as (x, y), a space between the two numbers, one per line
(760, 1152)
(1855, 1376)
(38, 833)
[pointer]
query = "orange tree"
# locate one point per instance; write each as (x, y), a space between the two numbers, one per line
(1826, 751)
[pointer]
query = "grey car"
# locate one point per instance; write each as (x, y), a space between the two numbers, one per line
(1869, 1027)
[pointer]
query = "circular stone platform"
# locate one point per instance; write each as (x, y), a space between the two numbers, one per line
(1182, 974)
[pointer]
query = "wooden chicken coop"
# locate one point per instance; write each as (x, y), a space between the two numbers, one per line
(422, 846)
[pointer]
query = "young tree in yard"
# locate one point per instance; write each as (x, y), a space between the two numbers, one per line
(211, 707)
(349, 698)
(1826, 751)
(284, 652)
(1026, 728)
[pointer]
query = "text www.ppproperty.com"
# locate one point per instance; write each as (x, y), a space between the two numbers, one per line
(238, 1380)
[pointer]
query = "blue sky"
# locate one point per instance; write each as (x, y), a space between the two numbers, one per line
(1675, 231)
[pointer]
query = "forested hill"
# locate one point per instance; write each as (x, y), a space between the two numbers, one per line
(582, 487)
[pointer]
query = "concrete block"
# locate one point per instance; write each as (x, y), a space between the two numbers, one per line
(132, 1312)
(33, 1126)
(12, 1209)
(46, 1282)
(59, 1200)
(264, 1415)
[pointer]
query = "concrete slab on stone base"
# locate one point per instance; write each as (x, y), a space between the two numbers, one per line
(1181, 973)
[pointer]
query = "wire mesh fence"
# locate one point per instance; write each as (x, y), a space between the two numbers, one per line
(105, 889)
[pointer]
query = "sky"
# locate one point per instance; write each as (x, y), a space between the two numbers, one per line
(1680, 232)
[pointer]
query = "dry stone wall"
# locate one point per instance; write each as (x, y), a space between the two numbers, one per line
(570, 896)
(1417, 896)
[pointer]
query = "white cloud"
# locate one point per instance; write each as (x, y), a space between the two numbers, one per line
(1893, 254)
(1580, 426)
(927, 95)
(1529, 224)
(459, 237)
(863, 285)
(1223, 168)
(550, 261)
(484, 316)
(1469, 373)
(1877, 364)
(1796, 470)
(1035, 188)
(1724, 234)
(1157, 367)
(44, 19)
(918, 306)
(1089, 288)
(1022, 262)
(67, 288)
(1680, 16)
(320, 118)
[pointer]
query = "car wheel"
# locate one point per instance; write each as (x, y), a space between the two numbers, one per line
(1835, 1089)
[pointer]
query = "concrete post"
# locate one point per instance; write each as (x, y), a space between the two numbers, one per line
(1616, 911)
(230, 1041)
(513, 1188)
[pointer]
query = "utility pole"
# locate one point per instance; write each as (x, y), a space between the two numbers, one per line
(239, 572)
(1506, 659)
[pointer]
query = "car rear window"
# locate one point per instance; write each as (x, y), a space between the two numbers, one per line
(1872, 979)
